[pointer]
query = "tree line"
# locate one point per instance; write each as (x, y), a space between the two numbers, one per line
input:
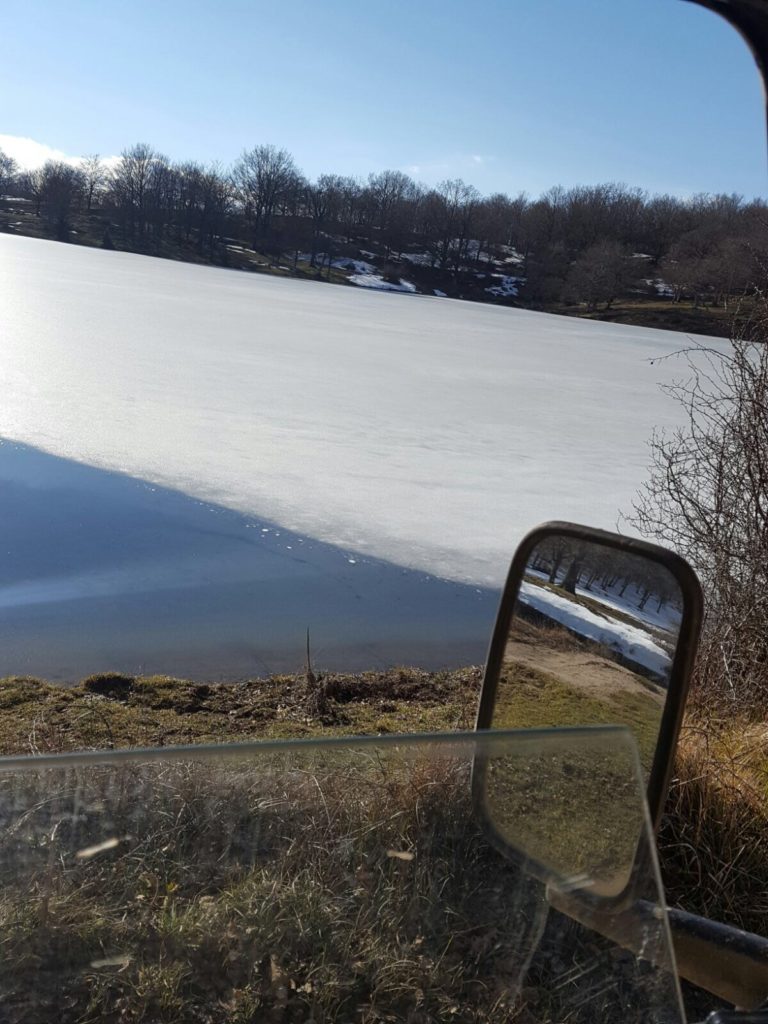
(598, 570)
(589, 244)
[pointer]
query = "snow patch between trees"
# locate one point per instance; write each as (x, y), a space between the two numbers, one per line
(631, 642)
(378, 282)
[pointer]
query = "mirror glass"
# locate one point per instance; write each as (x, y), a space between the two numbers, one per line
(547, 801)
(591, 641)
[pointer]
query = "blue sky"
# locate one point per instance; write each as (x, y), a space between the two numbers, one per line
(510, 95)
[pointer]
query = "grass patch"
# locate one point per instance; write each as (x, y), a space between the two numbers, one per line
(661, 314)
(713, 837)
(528, 698)
(331, 888)
(108, 712)
(154, 895)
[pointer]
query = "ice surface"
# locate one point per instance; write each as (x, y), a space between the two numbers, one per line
(431, 434)
(100, 571)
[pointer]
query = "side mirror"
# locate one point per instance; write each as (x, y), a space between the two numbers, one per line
(594, 629)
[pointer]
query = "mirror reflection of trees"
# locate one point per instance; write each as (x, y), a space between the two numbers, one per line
(591, 641)
(638, 582)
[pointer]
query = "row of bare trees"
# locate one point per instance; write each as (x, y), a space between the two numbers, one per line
(587, 244)
(597, 571)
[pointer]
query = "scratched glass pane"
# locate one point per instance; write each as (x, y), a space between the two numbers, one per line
(323, 881)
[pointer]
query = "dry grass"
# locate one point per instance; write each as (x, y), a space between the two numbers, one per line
(714, 837)
(312, 887)
(712, 842)
(109, 711)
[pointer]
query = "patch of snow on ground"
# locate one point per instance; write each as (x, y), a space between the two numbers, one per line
(339, 262)
(506, 288)
(511, 254)
(629, 641)
(378, 282)
(440, 295)
(661, 287)
(359, 266)
(668, 618)
(421, 259)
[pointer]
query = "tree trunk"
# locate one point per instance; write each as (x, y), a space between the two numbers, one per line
(572, 576)
(555, 569)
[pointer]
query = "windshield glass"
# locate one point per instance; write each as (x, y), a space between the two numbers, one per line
(333, 880)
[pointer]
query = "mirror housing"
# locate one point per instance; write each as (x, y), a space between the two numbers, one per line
(680, 667)
(750, 19)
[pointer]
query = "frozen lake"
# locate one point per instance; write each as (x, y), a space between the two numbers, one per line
(200, 464)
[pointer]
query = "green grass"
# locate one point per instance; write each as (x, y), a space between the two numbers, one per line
(528, 698)
(554, 806)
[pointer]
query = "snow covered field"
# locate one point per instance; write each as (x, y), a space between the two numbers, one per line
(401, 431)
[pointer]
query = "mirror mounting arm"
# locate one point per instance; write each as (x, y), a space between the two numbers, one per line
(738, 1017)
(729, 963)
(726, 961)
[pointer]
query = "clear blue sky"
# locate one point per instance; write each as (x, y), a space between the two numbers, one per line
(509, 94)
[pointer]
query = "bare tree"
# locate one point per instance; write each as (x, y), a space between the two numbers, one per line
(60, 189)
(707, 497)
(323, 200)
(131, 183)
(261, 177)
(8, 171)
(600, 274)
(216, 204)
(545, 272)
(450, 214)
(689, 264)
(497, 224)
(30, 186)
(392, 196)
(94, 178)
(349, 205)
